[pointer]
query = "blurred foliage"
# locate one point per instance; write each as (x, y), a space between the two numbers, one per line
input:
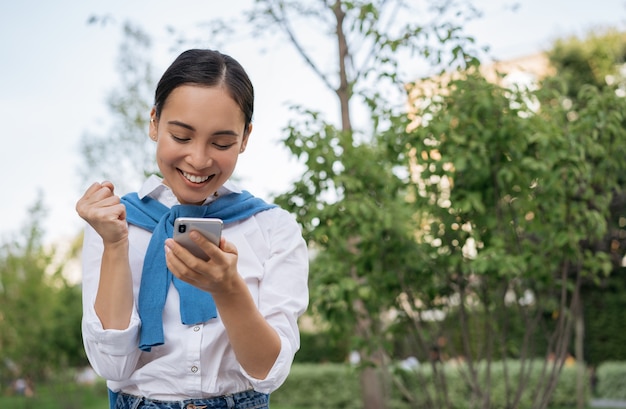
(321, 347)
(492, 209)
(40, 311)
(336, 385)
(605, 321)
(351, 198)
(610, 380)
(123, 153)
(597, 59)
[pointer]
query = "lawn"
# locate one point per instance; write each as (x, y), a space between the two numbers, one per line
(68, 396)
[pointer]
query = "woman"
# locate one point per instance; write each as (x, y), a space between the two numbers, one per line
(168, 329)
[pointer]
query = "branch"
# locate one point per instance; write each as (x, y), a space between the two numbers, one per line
(373, 50)
(282, 21)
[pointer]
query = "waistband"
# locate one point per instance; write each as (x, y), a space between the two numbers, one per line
(242, 400)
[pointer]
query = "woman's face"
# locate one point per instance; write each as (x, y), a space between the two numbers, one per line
(199, 135)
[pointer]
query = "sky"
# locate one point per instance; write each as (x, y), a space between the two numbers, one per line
(56, 72)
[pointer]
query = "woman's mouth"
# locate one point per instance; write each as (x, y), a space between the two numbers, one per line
(194, 178)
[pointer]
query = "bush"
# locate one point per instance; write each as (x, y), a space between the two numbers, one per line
(611, 380)
(320, 386)
(459, 390)
(604, 339)
(337, 386)
(319, 347)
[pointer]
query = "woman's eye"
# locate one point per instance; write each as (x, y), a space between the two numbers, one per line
(179, 139)
(223, 147)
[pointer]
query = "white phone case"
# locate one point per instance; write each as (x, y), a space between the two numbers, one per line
(210, 228)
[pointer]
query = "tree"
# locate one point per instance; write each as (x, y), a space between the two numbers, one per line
(515, 207)
(124, 154)
(39, 311)
(351, 200)
(598, 59)
(594, 60)
(507, 234)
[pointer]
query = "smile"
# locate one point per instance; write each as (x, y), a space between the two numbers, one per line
(195, 179)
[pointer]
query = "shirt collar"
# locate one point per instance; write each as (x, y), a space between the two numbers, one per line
(155, 188)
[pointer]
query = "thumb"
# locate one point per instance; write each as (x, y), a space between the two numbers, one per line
(227, 246)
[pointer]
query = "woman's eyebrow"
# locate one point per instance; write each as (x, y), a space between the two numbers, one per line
(181, 124)
(225, 132)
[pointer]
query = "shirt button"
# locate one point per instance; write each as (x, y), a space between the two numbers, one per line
(196, 328)
(194, 369)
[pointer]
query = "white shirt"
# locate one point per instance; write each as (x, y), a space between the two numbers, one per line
(197, 361)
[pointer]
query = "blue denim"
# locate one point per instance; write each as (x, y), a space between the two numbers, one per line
(242, 400)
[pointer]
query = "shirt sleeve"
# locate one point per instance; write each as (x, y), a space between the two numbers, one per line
(283, 291)
(113, 354)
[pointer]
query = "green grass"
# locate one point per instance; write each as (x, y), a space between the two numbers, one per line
(59, 396)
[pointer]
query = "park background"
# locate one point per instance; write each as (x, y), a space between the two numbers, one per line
(54, 91)
(57, 71)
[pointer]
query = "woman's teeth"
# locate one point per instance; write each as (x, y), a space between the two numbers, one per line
(195, 179)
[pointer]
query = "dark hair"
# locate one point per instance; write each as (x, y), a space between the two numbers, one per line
(207, 68)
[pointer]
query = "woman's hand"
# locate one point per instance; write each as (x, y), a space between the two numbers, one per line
(217, 275)
(104, 212)
(237, 310)
(107, 215)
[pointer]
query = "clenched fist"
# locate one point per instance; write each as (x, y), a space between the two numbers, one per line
(104, 212)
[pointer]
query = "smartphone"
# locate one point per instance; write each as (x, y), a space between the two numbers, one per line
(210, 228)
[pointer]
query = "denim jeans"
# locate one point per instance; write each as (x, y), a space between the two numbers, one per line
(242, 400)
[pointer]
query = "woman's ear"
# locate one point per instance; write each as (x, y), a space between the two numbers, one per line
(244, 140)
(154, 126)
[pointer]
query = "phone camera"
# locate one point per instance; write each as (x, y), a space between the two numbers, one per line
(182, 228)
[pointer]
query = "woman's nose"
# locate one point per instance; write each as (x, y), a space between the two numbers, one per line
(199, 158)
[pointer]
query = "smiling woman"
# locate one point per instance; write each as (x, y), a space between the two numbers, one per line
(160, 324)
(199, 134)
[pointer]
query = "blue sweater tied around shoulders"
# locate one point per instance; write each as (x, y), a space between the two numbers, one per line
(196, 306)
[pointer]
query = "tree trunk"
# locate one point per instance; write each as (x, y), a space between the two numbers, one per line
(373, 359)
(580, 359)
(371, 389)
